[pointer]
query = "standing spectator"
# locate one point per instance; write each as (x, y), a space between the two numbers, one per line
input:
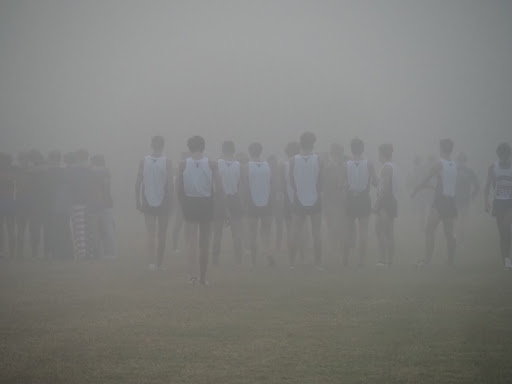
(23, 205)
(7, 207)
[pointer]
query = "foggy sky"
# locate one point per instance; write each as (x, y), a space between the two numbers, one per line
(108, 74)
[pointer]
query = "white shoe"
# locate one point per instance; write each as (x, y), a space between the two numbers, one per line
(508, 263)
(152, 267)
(192, 280)
(381, 264)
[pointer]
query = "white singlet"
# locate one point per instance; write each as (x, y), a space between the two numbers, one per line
(448, 177)
(305, 174)
(198, 178)
(259, 182)
(229, 172)
(154, 179)
(502, 182)
(358, 175)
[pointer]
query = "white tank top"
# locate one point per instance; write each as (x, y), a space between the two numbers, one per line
(229, 172)
(395, 185)
(289, 189)
(305, 174)
(154, 179)
(198, 178)
(448, 177)
(259, 182)
(502, 182)
(358, 175)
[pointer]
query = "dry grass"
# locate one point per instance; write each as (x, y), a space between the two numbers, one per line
(113, 322)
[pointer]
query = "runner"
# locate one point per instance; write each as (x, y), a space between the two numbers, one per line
(154, 192)
(466, 190)
(499, 178)
(444, 208)
(7, 204)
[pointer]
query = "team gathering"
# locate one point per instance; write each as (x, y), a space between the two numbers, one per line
(63, 204)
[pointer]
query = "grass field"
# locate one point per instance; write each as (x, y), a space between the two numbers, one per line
(114, 322)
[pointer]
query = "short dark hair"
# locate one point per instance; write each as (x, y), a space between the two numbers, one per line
(292, 149)
(503, 151)
(157, 143)
(196, 144)
(357, 146)
(255, 149)
(307, 141)
(446, 146)
(82, 155)
(98, 160)
(228, 147)
(386, 150)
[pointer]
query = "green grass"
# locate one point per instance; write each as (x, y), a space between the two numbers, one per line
(114, 322)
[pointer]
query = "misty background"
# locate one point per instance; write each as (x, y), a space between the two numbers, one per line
(107, 75)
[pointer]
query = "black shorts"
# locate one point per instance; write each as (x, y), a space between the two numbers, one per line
(359, 206)
(389, 205)
(259, 212)
(197, 209)
(446, 206)
(302, 210)
(500, 208)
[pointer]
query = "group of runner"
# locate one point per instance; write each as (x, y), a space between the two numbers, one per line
(252, 195)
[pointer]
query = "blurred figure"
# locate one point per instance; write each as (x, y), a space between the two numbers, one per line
(228, 207)
(466, 190)
(258, 177)
(7, 204)
(386, 206)
(197, 178)
(154, 193)
(58, 199)
(444, 208)
(23, 201)
(277, 192)
(178, 213)
(360, 177)
(423, 200)
(306, 180)
(499, 177)
(38, 201)
(243, 159)
(101, 211)
(333, 198)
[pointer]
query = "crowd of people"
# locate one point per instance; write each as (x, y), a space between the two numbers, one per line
(256, 197)
(66, 201)
(63, 200)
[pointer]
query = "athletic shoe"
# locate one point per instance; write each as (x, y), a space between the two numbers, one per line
(151, 267)
(380, 264)
(192, 280)
(508, 263)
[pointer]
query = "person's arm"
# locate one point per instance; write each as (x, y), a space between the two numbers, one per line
(436, 168)
(180, 184)
(487, 190)
(374, 180)
(138, 186)
(217, 181)
(320, 181)
(384, 185)
(291, 175)
(170, 183)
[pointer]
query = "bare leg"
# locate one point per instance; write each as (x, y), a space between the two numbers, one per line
(236, 233)
(505, 237)
(430, 232)
(448, 227)
(150, 238)
(191, 248)
(204, 249)
(21, 226)
(316, 230)
(218, 227)
(266, 234)
(161, 238)
(297, 244)
(350, 239)
(381, 236)
(363, 238)
(253, 233)
(178, 225)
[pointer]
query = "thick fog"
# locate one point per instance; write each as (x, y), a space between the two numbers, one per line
(107, 75)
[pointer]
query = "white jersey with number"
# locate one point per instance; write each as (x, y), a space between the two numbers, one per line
(448, 177)
(229, 172)
(198, 178)
(502, 182)
(154, 179)
(358, 175)
(259, 182)
(305, 173)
